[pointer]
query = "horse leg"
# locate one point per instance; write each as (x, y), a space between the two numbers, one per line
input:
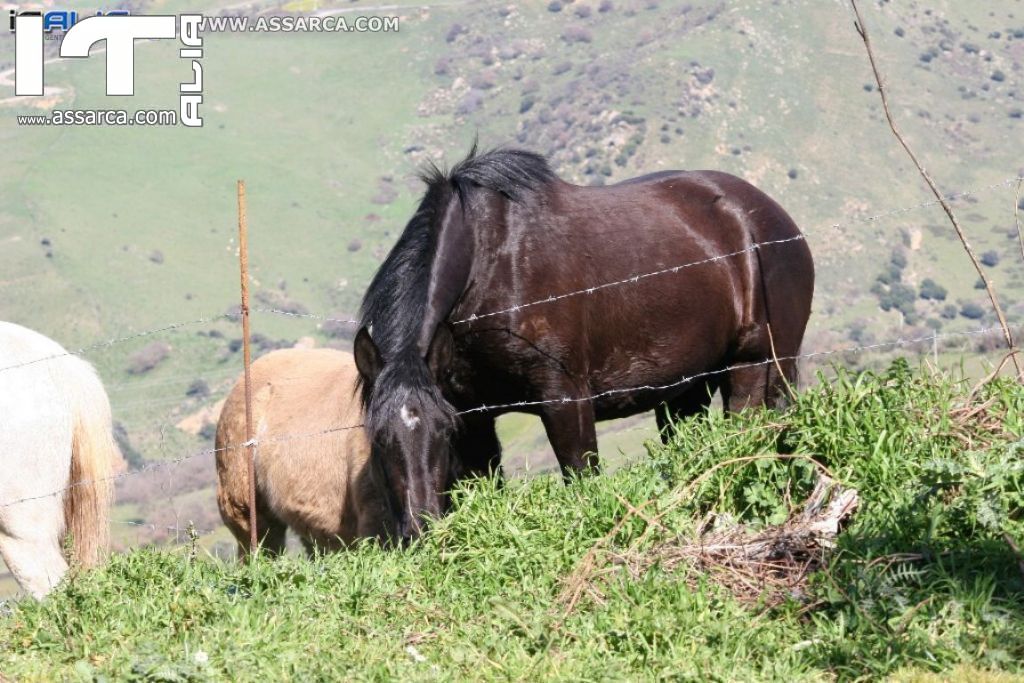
(573, 435)
(270, 532)
(694, 401)
(477, 449)
(30, 542)
(315, 547)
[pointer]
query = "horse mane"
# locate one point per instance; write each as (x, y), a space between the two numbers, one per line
(396, 300)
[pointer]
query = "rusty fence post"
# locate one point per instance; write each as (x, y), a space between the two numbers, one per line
(243, 258)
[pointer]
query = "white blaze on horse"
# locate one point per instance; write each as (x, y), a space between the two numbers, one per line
(57, 453)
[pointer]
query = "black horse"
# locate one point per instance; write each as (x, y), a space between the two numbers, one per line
(446, 325)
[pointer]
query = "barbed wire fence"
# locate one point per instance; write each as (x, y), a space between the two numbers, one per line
(192, 534)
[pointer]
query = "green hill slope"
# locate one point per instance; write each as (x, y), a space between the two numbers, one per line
(616, 577)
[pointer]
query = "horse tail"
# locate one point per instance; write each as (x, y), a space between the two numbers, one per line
(94, 457)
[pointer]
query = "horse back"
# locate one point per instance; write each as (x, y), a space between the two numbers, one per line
(651, 279)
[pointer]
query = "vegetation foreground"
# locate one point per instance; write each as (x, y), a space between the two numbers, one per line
(590, 582)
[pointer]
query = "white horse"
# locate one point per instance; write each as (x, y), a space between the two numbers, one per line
(57, 452)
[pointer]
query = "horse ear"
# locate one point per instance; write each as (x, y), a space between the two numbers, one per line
(439, 356)
(368, 358)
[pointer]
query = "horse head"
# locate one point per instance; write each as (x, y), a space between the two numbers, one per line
(409, 424)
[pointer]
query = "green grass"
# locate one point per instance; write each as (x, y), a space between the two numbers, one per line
(921, 581)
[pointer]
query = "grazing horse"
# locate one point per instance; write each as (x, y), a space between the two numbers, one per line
(57, 453)
(493, 296)
(311, 474)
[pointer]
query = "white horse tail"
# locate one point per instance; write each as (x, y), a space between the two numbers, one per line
(94, 458)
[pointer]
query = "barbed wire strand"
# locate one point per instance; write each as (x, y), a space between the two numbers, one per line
(160, 527)
(313, 316)
(116, 340)
(738, 366)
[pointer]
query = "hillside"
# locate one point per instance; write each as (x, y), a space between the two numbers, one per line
(617, 577)
(107, 232)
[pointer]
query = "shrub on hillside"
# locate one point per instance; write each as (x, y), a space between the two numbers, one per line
(577, 34)
(148, 357)
(131, 456)
(454, 31)
(972, 311)
(931, 290)
(208, 432)
(198, 389)
(898, 258)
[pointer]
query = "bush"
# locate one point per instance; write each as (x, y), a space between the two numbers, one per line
(972, 311)
(901, 297)
(454, 31)
(554, 6)
(898, 258)
(484, 80)
(131, 456)
(208, 432)
(577, 34)
(949, 312)
(148, 357)
(931, 290)
(990, 259)
(198, 389)
(469, 104)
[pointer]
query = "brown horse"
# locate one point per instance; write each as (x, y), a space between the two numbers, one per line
(311, 473)
(499, 293)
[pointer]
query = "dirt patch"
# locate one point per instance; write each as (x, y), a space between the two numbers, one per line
(195, 422)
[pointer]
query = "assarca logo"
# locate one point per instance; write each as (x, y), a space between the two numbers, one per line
(120, 33)
(62, 20)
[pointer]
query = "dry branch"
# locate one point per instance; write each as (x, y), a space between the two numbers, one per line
(769, 565)
(863, 32)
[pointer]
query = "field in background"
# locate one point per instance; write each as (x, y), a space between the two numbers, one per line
(109, 231)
